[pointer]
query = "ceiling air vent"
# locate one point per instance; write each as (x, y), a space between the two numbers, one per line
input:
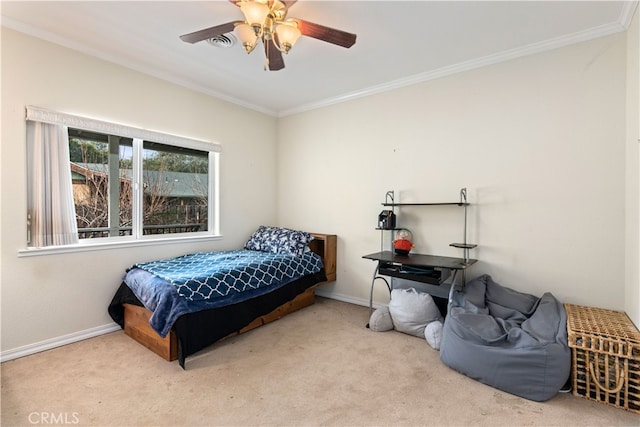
(223, 40)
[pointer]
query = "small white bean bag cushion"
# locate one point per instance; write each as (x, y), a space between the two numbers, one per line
(433, 334)
(411, 311)
(380, 320)
(510, 340)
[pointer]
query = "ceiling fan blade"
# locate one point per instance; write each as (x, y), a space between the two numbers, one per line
(208, 33)
(330, 35)
(276, 62)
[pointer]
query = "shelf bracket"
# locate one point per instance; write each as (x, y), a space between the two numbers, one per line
(464, 245)
(463, 199)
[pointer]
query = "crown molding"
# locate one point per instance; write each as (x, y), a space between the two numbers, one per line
(626, 14)
(82, 48)
(534, 48)
(622, 24)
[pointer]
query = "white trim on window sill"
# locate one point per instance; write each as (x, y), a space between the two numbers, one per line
(84, 246)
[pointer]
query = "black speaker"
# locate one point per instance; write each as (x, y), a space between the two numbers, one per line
(387, 220)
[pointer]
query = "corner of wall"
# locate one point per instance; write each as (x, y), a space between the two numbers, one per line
(632, 214)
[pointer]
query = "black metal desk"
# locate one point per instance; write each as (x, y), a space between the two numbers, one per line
(430, 269)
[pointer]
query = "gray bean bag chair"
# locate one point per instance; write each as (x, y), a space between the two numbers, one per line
(507, 339)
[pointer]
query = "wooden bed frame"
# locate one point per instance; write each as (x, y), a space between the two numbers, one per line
(136, 318)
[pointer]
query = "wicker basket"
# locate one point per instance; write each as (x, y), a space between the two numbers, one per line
(605, 356)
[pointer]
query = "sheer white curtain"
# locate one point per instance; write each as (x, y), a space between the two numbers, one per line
(50, 201)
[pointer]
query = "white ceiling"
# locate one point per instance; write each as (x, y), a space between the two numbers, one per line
(398, 42)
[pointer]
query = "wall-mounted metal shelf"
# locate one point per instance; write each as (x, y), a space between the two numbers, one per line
(431, 270)
(427, 204)
(390, 195)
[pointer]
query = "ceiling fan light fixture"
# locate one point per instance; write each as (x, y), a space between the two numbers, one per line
(247, 36)
(255, 13)
(265, 20)
(288, 34)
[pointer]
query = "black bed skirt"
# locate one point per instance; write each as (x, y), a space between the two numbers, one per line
(196, 331)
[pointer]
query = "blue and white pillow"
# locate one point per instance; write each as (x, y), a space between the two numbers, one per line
(279, 240)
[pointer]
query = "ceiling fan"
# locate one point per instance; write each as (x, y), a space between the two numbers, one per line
(266, 20)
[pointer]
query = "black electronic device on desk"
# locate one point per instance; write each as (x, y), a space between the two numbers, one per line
(430, 269)
(431, 275)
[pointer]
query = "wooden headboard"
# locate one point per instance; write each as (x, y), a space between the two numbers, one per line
(325, 245)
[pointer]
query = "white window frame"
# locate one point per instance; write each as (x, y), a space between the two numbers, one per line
(138, 135)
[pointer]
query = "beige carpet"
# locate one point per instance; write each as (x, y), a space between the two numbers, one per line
(319, 366)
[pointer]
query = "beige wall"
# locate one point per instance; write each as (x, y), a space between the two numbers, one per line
(48, 297)
(632, 293)
(538, 141)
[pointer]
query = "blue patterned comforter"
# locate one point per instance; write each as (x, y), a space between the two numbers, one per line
(194, 282)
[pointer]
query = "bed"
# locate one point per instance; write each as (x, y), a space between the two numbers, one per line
(176, 312)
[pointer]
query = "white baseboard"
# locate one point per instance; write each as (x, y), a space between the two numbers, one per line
(57, 342)
(344, 298)
(49, 344)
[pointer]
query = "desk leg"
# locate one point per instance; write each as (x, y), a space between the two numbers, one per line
(453, 282)
(373, 282)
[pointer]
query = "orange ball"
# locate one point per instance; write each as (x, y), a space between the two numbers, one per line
(402, 246)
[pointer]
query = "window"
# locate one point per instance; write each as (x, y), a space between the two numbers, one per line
(175, 186)
(102, 181)
(132, 184)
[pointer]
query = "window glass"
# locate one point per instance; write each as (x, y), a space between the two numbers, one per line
(174, 179)
(101, 172)
(175, 182)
